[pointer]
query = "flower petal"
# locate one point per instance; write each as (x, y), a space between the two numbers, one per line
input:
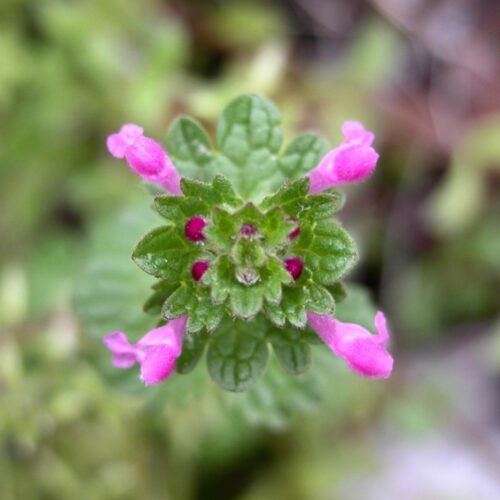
(355, 131)
(353, 161)
(145, 157)
(168, 335)
(367, 357)
(364, 353)
(324, 325)
(125, 354)
(158, 364)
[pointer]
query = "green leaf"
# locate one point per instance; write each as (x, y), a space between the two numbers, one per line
(289, 197)
(273, 276)
(249, 214)
(220, 277)
(178, 303)
(248, 138)
(193, 347)
(245, 301)
(165, 253)
(199, 199)
(276, 227)
(294, 200)
(226, 192)
(302, 155)
(327, 249)
(304, 295)
(291, 308)
(162, 289)
(321, 206)
(200, 190)
(292, 351)
(222, 228)
(237, 355)
(177, 209)
(318, 299)
(338, 291)
(189, 148)
(193, 300)
(246, 296)
(248, 253)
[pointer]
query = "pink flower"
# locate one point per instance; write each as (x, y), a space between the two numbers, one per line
(364, 353)
(145, 157)
(353, 161)
(156, 352)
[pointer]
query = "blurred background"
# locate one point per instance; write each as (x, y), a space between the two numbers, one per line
(423, 74)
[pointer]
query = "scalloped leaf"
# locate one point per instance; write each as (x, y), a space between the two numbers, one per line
(302, 155)
(305, 295)
(245, 300)
(193, 300)
(189, 148)
(162, 290)
(193, 347)
(165, 253)
(199, 199)
(237, 355)
(249, 137)
(291, 349)
(327, 249)
(294, 200)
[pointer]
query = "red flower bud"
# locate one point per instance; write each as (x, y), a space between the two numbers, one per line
(199, 269)
(294, 266)
(194, 228)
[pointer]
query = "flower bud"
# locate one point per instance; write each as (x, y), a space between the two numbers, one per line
(364, 353)
(294, 266)
(194, 228)
(145, 157)
(156, 352)
(198, 269)
(353, 161)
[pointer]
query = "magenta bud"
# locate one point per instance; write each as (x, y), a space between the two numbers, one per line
(294, 233)
(248, 230)
(294, 266)
(199, 269)
(194, 228)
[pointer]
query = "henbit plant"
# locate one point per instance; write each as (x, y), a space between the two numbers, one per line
(250, 254)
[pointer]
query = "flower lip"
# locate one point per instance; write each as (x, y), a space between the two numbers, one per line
(354, 160)
(364, 353)
(145, 157)
(194, 228)
(156, 352)
(294, 266)
(198, 269)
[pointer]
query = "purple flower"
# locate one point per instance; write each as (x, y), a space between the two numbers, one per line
(353, 161)
(145, 157)
(364, 353)
(156, 352)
